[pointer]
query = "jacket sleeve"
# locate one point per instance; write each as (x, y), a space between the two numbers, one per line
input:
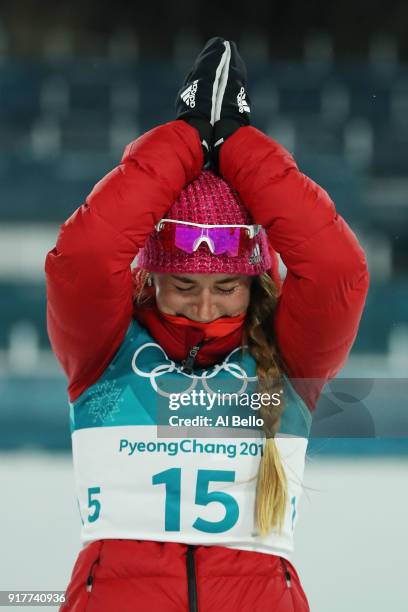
(322, 299)
(88, 275)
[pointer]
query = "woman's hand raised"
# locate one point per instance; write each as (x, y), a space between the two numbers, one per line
(196, 99)
(213, 98)
(233, 103)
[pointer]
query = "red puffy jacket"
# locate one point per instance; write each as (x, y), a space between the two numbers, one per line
(89, 289)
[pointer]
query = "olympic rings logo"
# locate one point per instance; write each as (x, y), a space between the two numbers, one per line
(169, 367)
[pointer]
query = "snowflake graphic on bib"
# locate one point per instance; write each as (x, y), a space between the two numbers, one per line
(105, 400)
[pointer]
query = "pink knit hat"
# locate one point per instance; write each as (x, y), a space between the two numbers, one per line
(207, 200)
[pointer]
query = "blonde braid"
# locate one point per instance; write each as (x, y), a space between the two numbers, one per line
(271, 490)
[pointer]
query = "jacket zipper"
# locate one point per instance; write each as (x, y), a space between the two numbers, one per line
(287, 574)
(188, 363)
(90, 579)
(191, 579)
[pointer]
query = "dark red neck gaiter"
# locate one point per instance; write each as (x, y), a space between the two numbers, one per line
(177, 335)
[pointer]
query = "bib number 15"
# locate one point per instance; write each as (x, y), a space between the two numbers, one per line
(171, 478)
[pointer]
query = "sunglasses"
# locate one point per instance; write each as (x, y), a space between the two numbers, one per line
(232, 240)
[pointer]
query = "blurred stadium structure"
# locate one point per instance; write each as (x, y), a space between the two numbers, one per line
(67, 109)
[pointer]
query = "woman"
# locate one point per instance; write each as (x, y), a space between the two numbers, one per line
(174, 520)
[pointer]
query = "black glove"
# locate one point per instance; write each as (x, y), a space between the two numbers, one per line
(195, 102)
(232, 102)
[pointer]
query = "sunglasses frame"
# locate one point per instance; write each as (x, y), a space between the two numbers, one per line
(253, 230)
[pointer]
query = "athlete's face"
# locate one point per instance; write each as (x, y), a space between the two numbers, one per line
(202, 297)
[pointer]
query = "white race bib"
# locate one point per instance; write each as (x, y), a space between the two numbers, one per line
(135, 485)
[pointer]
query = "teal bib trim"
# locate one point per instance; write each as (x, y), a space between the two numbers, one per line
(134, 388)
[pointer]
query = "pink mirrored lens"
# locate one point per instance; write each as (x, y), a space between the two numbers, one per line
(186, 237)
(225, 240)
(220, 240)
